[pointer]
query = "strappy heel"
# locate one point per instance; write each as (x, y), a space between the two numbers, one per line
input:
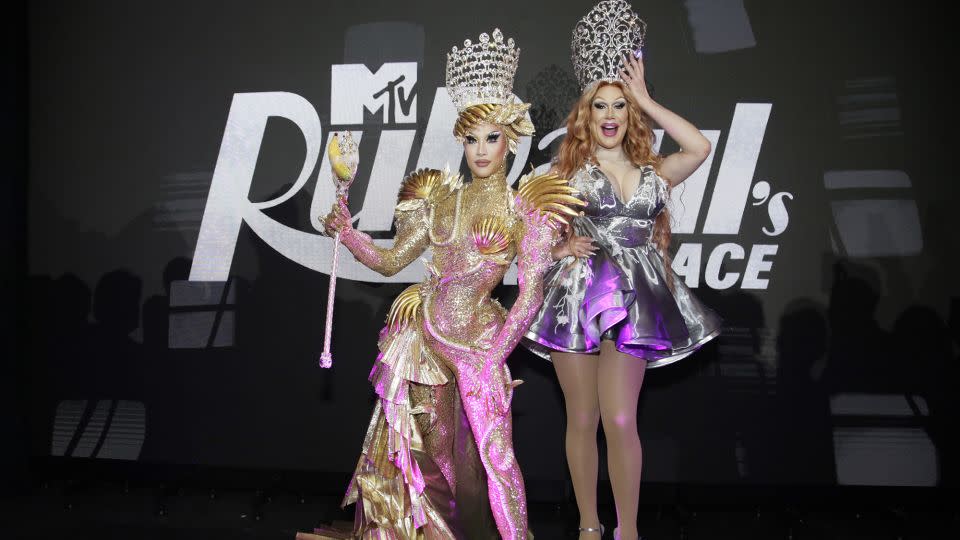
(592, 529)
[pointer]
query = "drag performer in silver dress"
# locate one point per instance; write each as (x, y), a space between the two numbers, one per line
(612, 305)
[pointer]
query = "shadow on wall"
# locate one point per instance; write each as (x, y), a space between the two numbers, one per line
(860, 357)
(802, 441)
(924, 348)
(91, 379)
(887, 389)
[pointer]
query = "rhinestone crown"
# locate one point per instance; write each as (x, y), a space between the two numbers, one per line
(600, 40)
(482, 72)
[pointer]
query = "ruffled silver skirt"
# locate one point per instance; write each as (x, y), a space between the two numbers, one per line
(621, 294)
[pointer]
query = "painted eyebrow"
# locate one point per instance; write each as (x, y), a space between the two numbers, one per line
(498, 132)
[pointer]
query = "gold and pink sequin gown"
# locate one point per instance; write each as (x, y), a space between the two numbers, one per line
(437, 461)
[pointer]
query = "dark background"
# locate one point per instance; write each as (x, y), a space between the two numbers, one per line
(115, 112)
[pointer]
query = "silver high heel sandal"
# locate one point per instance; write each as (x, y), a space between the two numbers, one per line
(592, 529)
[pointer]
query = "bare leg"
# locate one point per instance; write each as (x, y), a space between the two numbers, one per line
(620, 377)
(578, 379)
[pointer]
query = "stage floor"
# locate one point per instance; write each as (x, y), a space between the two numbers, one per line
(100, 510)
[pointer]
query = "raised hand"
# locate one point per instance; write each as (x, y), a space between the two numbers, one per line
(694, 147)
(633, 76)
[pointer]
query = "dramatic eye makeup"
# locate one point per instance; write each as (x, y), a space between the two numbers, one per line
(470, 139)
(601, 105)
(493, 137)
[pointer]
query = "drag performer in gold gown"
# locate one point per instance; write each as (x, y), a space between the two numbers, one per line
(442, 362)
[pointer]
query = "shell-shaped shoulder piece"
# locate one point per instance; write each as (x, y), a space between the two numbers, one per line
(427, 186)
(405, 309)
(550, 195)
(491, 234)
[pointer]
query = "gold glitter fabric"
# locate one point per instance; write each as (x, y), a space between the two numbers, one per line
(442, 418)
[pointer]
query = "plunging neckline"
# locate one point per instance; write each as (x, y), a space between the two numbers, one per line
(618, 196)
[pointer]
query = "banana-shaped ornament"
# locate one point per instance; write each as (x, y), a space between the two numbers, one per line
(342, 153)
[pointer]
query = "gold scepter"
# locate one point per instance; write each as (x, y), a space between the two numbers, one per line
(343, 155)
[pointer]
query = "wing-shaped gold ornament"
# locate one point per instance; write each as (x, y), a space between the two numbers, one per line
(427, 185)
(405, 309)
(551, 195)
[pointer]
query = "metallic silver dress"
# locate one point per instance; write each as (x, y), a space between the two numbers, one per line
(620, 293)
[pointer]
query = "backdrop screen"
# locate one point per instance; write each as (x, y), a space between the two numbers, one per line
(179, 278)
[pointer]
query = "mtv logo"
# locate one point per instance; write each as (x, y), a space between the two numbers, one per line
(392, 90)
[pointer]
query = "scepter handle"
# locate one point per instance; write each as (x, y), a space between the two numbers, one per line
(326, 359)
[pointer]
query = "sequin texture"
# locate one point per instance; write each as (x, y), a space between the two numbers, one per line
(442, 362)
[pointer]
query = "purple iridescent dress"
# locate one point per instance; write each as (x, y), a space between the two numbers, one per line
(620, 293)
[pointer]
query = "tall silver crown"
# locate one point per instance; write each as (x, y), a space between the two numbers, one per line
(601, 39)
(482, 72)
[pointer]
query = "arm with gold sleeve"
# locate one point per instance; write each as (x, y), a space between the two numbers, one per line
(410, 242)
(545, 204)
(418, 192)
